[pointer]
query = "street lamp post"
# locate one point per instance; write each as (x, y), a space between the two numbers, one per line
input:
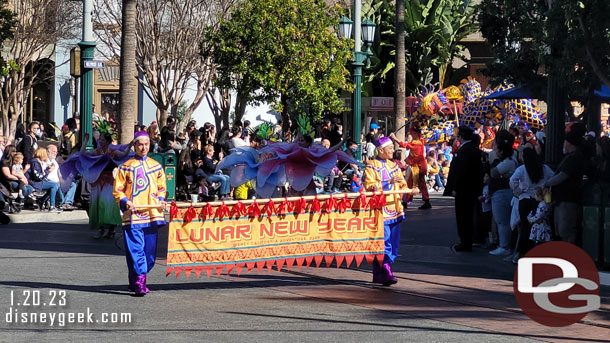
(87, 47)
(364, 31)
(555, 100)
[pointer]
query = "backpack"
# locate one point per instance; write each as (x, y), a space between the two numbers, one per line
(66, 148)
(19, 145)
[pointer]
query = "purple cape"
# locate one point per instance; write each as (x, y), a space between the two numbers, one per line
(89, 166)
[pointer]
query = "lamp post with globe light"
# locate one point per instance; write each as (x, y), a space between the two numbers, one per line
(364, 31)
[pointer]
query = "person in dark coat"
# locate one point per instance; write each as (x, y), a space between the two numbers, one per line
(30, 142)
(465, 183)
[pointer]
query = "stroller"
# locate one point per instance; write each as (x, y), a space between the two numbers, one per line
(10, 200)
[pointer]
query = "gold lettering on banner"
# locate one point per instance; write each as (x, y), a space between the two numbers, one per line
(218, 234)
(284, 228)
(342, 225)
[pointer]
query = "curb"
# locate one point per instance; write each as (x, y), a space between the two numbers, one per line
(604, 278)
(29, 216)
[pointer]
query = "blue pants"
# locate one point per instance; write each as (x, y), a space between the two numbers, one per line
(69, 197)
(140, 249)
(501, 210)
(54, 187)
(391, 234)
(27, 190)
(438, 182)
(225, 184)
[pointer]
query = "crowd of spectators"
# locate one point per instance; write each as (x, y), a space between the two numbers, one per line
(508, 200)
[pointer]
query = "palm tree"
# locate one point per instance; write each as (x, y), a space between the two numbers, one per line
(400, 78)
(128, 82)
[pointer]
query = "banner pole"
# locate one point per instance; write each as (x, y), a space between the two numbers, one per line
(264, 201)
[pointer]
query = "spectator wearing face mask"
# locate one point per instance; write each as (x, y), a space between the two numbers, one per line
(347, 168)
(30, 143)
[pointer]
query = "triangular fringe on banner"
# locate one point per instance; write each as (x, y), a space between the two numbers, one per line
(348, 260)
(308, 260)
(289, 263)
(318, 259)
(339, 260)
(380, 259)
(230, 268)
(187, 271)
(279, 263)
(198, 270)
(239, 267)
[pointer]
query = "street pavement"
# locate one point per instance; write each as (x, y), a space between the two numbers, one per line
(441, 296)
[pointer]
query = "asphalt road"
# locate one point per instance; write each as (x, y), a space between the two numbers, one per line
(441, 296)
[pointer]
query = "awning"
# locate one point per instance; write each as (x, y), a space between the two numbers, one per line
(604, 93)
(519, 92)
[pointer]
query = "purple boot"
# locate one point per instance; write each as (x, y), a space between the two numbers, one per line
(140, 285)
(388, 268)
(382, 276)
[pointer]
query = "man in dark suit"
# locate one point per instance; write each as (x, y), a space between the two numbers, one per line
(465, 183)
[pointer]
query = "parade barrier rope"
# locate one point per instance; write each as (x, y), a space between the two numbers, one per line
(289, 231)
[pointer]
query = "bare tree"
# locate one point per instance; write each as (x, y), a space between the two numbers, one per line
(40, 27)
(219, 101)
(169, 36)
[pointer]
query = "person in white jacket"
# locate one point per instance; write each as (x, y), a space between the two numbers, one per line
(530, 175)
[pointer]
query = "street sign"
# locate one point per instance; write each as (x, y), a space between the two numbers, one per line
(93, 64)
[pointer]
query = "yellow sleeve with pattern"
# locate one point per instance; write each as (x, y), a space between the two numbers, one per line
(372, 180)
(119, 191)
(161, 185)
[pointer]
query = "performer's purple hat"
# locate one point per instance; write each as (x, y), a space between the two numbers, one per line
(140, 134)
(383, 142)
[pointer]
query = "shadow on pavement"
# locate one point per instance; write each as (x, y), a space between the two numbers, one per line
(406, 327)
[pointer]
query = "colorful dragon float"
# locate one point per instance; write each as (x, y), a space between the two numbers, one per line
(435, 110)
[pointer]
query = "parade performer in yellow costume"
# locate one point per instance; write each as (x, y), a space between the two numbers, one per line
(140, 181)
(383, 174)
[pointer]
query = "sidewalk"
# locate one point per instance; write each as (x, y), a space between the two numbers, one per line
(35, 216)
